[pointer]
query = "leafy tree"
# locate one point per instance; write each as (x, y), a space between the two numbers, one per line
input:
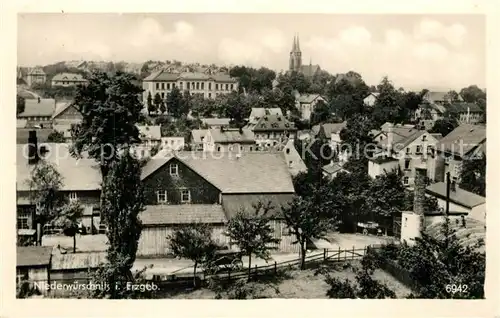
(472, 94)
(295, 81)
(162, 108)
(321, 113)
(304, 221)
(21, 104)
(110, 107)
(252, 233)
(340, 289)
(473, 175)
(175, 103)
(253, 80)
(347, 106)
(157, 102)
(194, 243)
(444, 126)
(152, 107)
(68, 219)
(430, 203)
(45, 184)
(123, 200)
(56, 136)
(435, 261)
(236, 108)
(388, 106)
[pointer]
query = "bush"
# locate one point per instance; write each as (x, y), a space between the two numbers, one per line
(340, 289)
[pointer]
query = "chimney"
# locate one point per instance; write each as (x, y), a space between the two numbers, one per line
(419, 197)
(32, 148)
(453, 186)
(390, 135)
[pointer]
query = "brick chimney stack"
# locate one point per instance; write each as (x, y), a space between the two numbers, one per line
(419, 197)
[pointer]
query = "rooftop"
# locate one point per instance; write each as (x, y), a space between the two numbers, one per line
(198, 134)
(459, 196)
(34, 108)
(307, 98)
(462, 139)
(33, 255)
(183, 214)
(71, 77)
(163, 75)
(149, 132)
(273, 122)
(251, 172)
(72, 261)
(330, 128)
(232, 135)
(216, 121)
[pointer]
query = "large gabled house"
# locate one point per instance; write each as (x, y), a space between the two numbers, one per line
(81, 180)
(38, 112)
(273, 130)
(306, 103)
(463, 142)
(200, 187)
(229, 140)
(68, 79)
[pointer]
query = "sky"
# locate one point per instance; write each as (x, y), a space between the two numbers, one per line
(414, 51)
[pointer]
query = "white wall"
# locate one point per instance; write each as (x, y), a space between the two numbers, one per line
(479, 213)
(410, 226)
(375, 169)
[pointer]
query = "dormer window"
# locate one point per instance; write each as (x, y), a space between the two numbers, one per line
(73, 196)
(174, 169)
(424, 138)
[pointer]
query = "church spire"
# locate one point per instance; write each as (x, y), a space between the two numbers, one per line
(294, 44)
(298, 45)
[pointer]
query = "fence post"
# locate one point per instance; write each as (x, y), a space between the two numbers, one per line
(353, 252)
(275, 268)
(345, 255)
(339, 254)
(256, 271)
(324, 254)
(229, 274)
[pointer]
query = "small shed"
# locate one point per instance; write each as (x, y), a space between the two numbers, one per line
(75, 267)
(33, 264)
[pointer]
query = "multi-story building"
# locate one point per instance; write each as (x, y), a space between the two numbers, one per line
(68, 79)
(207, 84)
(229, 140)
(306, 103)
(36, 75)
(466, 113)
(272, 130)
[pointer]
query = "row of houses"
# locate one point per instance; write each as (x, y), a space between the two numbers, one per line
(36, 75)
(180, 188)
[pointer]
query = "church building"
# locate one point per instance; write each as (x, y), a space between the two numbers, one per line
(295, 64)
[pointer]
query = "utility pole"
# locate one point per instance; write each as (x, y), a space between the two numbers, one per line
(448, 185)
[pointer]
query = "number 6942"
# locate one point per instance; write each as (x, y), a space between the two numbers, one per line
(453, 288)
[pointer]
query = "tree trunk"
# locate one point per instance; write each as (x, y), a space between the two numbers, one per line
(249, 266)
(74, 243)
(194, 274)
(303, 255)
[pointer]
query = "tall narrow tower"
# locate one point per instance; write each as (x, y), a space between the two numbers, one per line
(295, 62)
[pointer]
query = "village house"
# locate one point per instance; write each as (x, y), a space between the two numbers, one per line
(81, 181)
(331, 170)
(36, 75)
(229, 140)
(295, 162)
(381, 165)
(463, 142)
(173, 143)
(38, 112)
(370, 99)
(466, 113)
(74, 267)
(427, 111)
(67, 80)
(150, 136)
(196, 139)
(190, 187)
(272, 130)
(412, 151)
(460, 200)
(331, 131)
(215, 123)
(439, 98)
(33, 265)
(208, 84)
(306, 103)
(257, 113)
(65, 117)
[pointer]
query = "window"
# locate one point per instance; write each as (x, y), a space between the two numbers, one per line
(157, 85)
(209, 86)
(181, 85)
(202, 85)
(162, 85)
(287, 150)
(419, 149)
(408, 150)
(407, 164)
(22, 220)
(168, 85)
(227, 87)
(285, 231)
(162, 95)
(161, 196)
(209, 95)
(232, 86)
(218, 148)
(187, 85)
(251, 148)
(185, 196)
(216, 87)
(198, 85)
(73, 196)
(424, 138)
(174, 169)
(406, 180)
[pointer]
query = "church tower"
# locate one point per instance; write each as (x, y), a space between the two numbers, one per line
(295, 62)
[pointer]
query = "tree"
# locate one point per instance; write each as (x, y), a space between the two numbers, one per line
(152, 107)
(157, 102)
(194, 243)
(162, 108)
(68, 218)
(304, 221)
(321, 113)
(21, 104)
(472, 94)
(237, 108)
(45, 184)
(444, 126)
(437, 261)
(111, 108)
(56, 136)
(175, 103)
(123, 200)
(388, 106)
(473, 175)
(252, 233)
(347, 106)
(253, 80)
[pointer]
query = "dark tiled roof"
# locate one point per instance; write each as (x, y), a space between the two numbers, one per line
(273, 123)
(233, 203)
(197, 134)
(308, 98)
(72, 261)
(460, 196)
(33, 255)
(330, 128)
(464, 108)
(71, 77)
(233, 135)
(183, 214)
(252, 172)
(309, 70)
(216, 121)
(470, 136)
(383, 159)
(166, 76)
(331, 169)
